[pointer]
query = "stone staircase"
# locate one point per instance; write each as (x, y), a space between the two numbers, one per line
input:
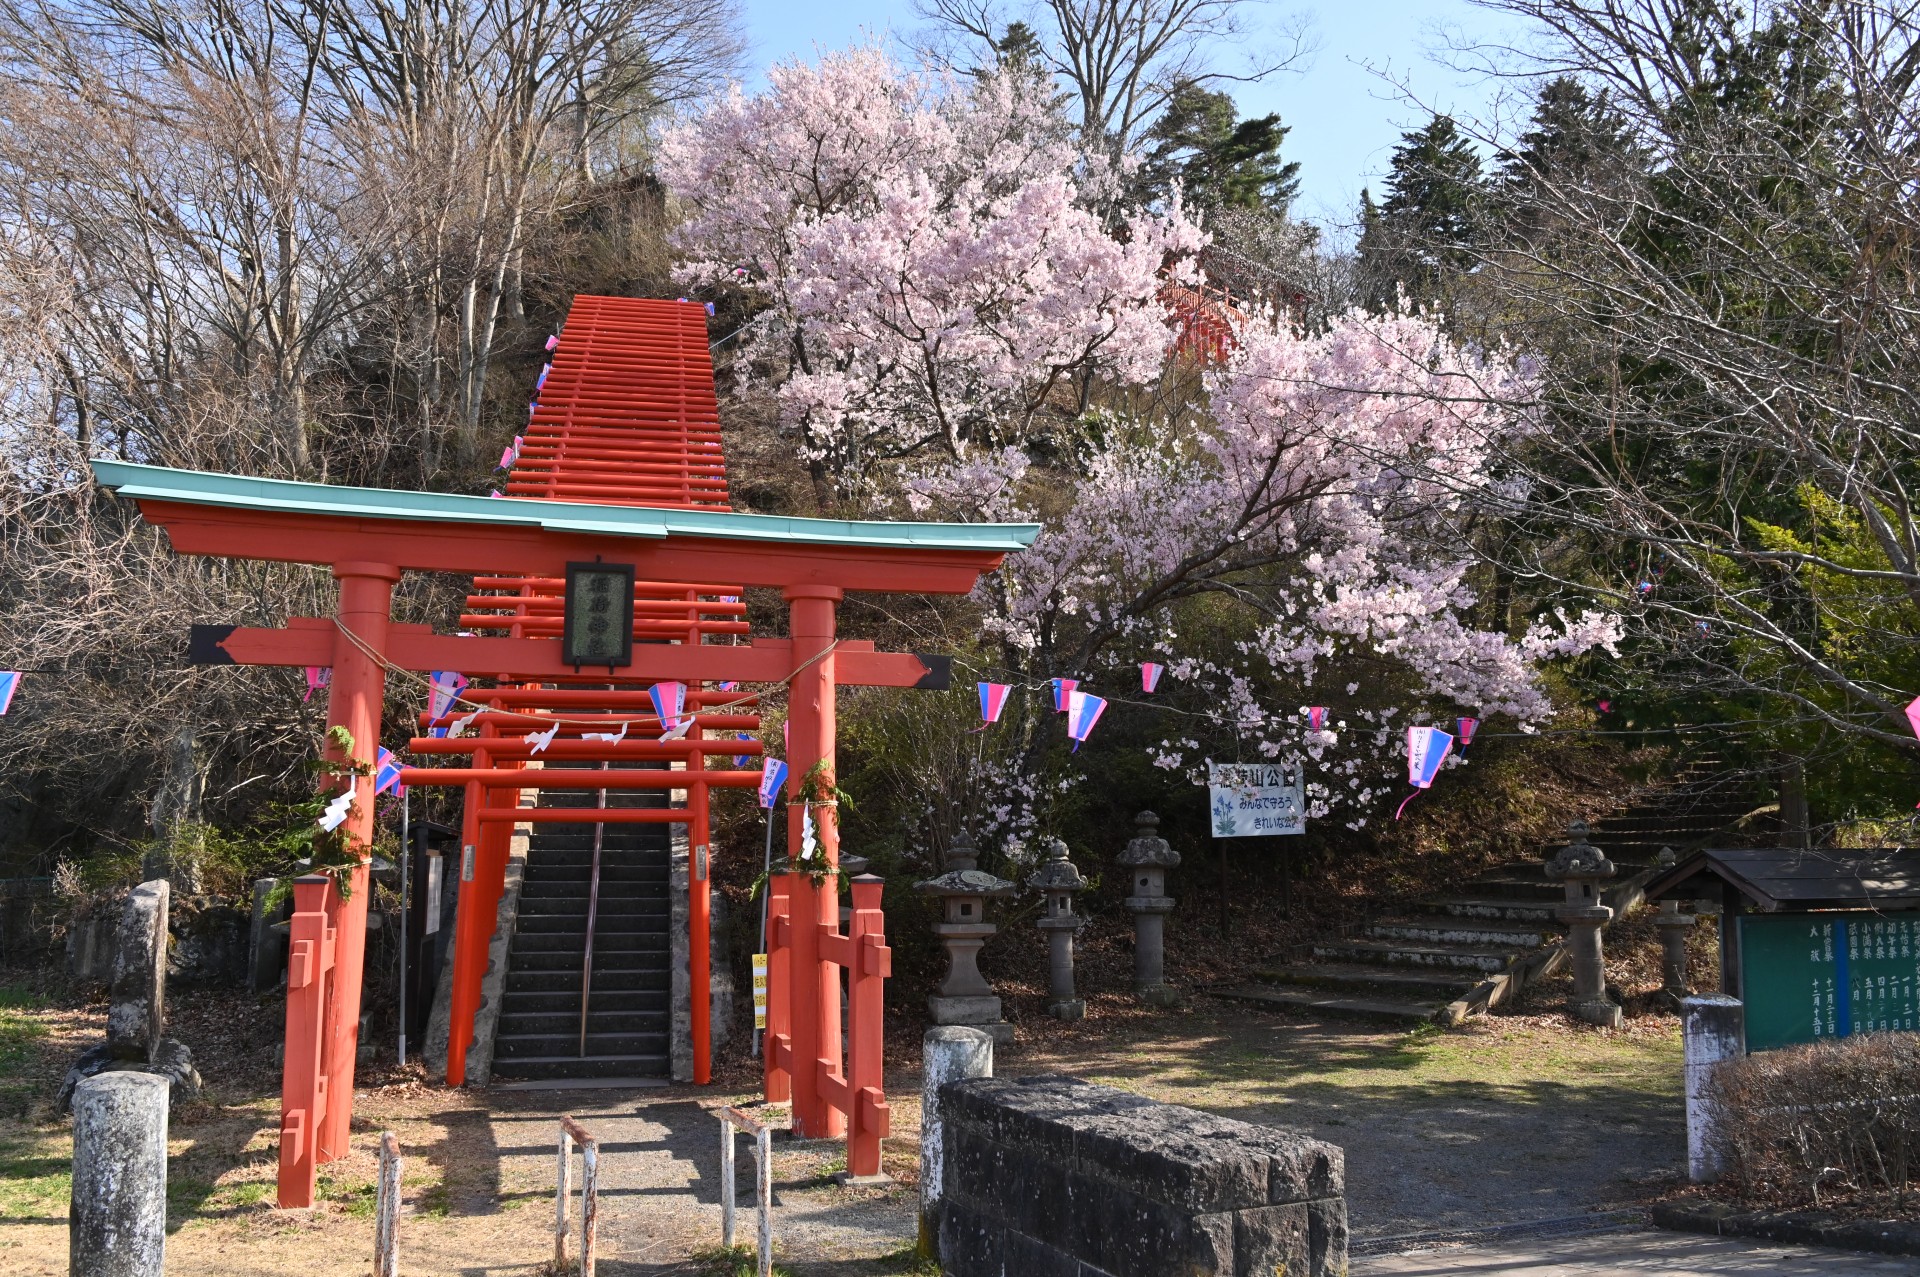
(1448, 956)
(629, 1007)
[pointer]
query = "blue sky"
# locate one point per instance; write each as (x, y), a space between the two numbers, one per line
(1345, 118)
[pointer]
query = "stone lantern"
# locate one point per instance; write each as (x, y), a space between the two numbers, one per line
(1147, 859)
(1674, 927)
(1585, 869)
(965, 997)
(1060, 882)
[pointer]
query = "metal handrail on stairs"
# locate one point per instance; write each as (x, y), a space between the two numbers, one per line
(593, 909)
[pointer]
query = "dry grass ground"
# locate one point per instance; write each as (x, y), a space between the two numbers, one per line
(1511, 1119)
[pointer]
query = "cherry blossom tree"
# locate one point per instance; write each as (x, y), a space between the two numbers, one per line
(934, 280)
(1320, 504)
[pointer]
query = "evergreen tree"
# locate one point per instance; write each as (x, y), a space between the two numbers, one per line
(1424, 232)
(1576, 138)
(1219, 161)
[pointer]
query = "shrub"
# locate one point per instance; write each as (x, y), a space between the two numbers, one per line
(1840, 1116)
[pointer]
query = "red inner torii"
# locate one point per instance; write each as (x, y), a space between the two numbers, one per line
(625, 424)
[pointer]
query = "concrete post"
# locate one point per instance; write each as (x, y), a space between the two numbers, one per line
(1673, 927)
(117, 1223)
(1147, 859)
(950, 1053)
(1584, 869)
(1713, 1028)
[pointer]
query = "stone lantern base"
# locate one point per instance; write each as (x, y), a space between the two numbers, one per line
(1068, 1009)
(978, 1011)
(1605, 1013)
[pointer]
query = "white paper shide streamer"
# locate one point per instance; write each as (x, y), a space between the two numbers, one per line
(336, 813)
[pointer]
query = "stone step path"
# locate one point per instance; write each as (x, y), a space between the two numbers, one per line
(1477, 945)
(628, 1013)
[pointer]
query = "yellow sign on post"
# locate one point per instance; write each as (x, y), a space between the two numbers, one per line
(759, 990)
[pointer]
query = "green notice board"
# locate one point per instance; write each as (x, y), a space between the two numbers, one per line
(1810, 976)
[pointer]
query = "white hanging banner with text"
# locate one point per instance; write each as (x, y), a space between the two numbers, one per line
(1256, 800)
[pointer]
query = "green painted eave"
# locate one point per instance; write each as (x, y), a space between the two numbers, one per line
(286, 496)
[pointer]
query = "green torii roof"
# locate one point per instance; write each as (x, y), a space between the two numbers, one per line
(199, 487)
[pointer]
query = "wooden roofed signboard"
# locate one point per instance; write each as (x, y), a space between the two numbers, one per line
(1825, 943)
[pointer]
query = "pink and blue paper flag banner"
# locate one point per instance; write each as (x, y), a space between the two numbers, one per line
(773, 774)
(1150, 676)
(553, 341)
(669, 699)
(1466, 728)
(741, 760)
(1426, 749)
(1645, 587)
(1316, 718)
(1913, 710)
(386, 773)
(506, 459)
(318, 676)
(1083, 711)
(730, 685)
(9, 683)
(993, 699)
(1062, 689)
(543, 378)
(709, 310)
(1604, 705)
(496, 494)
(447, 686)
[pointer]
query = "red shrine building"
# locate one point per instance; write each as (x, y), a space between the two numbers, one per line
(611, 568)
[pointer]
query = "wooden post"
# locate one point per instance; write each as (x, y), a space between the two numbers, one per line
(727, 1189)
(763, 1195)
(572, 1133)
(562, 1193)
(303, 1081)
(386, 1210)
(589, 1201)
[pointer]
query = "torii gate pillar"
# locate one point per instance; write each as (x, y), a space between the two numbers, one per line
(816, 1001)
(354, 699)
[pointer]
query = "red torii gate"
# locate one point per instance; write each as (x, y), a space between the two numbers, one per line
(368, 537)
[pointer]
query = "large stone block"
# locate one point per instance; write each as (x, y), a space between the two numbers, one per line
(137, 1011)
(1273, 1239)
(1051, 1167)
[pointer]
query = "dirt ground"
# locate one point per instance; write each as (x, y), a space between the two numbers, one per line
(1512, 1119)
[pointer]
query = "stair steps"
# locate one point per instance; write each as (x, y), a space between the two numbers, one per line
(1476, 945)
(629, 1011)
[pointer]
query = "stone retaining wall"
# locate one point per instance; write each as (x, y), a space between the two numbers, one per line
(1050, 1176)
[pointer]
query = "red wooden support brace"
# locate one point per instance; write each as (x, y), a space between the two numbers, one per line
(871, 963)
(778, 1080)
(303, 1089)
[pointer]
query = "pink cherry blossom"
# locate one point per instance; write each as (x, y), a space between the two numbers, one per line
(933, 270)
